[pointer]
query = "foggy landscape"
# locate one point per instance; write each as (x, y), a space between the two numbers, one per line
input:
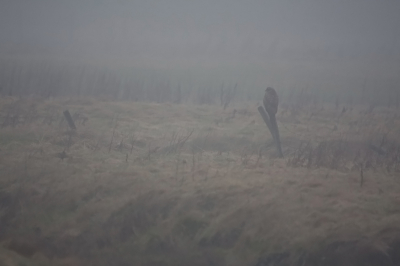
(149, 132)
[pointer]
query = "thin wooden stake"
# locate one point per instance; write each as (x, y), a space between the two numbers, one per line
(69, 120)
(112, 138)
(362, 177)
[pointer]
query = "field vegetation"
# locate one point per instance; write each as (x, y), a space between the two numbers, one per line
(147, 183)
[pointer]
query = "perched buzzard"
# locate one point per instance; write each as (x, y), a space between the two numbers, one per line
(271, 101)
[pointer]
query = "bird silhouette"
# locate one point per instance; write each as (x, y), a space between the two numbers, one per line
(271, 102)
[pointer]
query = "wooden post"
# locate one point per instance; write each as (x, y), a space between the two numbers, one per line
(266, 119)
(362, 177)
(272, 128)
(278, 140)
(69, 120)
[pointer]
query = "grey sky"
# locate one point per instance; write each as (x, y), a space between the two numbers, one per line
(271, 35)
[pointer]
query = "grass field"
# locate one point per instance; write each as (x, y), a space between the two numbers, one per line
(163, 184)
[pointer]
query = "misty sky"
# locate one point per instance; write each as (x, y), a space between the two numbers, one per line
(283, 37)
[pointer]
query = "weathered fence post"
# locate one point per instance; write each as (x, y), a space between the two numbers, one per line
(272, 128)
(69, 120)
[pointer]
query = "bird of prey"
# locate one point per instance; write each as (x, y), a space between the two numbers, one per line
(271, 101)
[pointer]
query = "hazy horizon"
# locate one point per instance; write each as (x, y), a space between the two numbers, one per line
(306, 43)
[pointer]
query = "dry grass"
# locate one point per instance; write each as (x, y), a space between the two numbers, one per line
(162, 184)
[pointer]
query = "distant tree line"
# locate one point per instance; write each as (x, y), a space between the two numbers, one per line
(48, 79)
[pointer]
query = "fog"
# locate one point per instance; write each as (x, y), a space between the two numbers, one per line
(199, 132)
(331, 46)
